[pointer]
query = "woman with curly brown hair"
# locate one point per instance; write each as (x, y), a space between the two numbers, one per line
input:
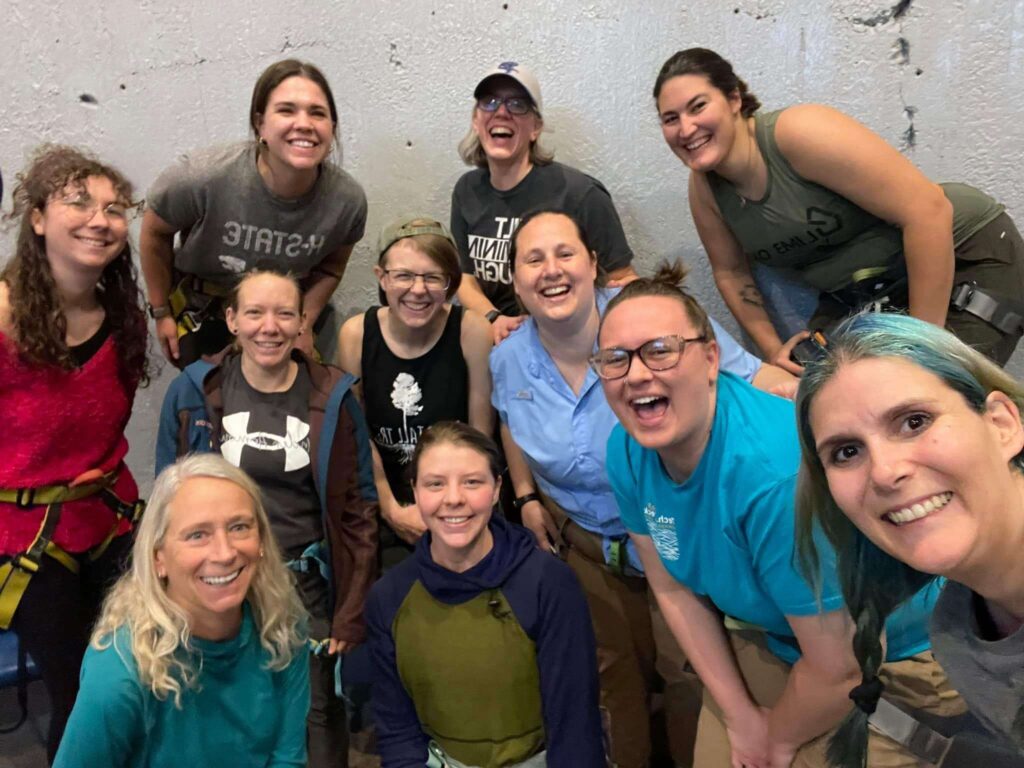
(73, 343)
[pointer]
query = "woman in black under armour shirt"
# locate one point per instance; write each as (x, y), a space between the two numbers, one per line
(296, 428)
(420, 359)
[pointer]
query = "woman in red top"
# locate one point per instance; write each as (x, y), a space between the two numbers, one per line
(72, 352)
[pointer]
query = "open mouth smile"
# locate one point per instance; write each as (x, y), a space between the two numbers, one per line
(220, 581)
(920, 509)
(649, 406)
(697, 143)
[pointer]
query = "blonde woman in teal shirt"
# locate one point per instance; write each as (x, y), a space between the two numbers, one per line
(197, 658)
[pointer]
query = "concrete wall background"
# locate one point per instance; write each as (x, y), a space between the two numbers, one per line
(139, 81)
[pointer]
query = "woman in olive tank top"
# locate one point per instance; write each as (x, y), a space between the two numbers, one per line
(815, 194)
(420, 359)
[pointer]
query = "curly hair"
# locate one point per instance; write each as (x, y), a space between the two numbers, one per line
(37, 316)
(156, 627)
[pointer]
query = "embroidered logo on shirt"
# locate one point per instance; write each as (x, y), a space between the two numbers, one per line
(663, 532)
(523, 394)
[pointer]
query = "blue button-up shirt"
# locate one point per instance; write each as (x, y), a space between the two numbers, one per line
(564, 436)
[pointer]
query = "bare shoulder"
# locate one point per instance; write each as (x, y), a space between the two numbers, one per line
(476, 332)
(350, 345)
(804, 124)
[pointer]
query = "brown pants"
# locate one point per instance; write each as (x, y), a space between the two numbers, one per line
(918, 683)
(634, 646)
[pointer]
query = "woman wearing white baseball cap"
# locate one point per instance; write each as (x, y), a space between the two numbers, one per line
(514, 174)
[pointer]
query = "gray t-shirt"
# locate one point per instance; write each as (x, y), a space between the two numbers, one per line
(229, 221)
(989, 673)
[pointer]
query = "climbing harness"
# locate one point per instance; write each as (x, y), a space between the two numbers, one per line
(16, 573)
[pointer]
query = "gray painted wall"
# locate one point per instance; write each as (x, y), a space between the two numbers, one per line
(140, 82)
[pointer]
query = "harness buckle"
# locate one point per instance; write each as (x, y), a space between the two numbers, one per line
(25, 563)
(961, 295)
(26, 497)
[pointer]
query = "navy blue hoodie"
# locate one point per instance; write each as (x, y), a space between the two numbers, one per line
(548, 604)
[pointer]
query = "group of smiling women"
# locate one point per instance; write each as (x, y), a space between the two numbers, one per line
(685, 588)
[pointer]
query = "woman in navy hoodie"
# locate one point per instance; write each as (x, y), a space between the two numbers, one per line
(482, 645)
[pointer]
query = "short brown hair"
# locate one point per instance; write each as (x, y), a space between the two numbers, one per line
(456, 433)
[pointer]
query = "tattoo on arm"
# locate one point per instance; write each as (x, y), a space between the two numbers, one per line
(751, 295)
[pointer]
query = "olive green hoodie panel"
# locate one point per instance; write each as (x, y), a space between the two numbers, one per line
(471, 672)
(805, 227)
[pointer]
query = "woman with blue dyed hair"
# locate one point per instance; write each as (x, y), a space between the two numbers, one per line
(912, 457)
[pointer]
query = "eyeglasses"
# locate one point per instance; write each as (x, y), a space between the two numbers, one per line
(85, 207)
(516, 105)
(658, 354)
(433, 281)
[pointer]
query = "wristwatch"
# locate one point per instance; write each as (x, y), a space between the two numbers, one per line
(521, 501)
(158, 312)
(493, 315)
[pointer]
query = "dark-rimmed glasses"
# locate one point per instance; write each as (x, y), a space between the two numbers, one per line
(403, 278)
(516, 105)
(658, 354)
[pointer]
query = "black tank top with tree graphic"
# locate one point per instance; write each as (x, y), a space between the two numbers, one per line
(404, 397)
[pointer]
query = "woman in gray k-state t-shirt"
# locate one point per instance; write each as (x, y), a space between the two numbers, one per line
(275, 200)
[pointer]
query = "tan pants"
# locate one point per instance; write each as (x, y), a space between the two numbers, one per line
(918, 683)
(634, 645)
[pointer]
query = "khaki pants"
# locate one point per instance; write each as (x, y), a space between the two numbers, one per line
(918, 683)
(634, 645)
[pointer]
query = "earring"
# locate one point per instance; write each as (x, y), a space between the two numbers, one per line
(263, 142)
(261, 553)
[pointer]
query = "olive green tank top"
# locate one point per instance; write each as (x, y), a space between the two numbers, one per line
(471, 672)
(804, 227)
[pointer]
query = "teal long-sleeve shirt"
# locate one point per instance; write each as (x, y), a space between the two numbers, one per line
(242, 714)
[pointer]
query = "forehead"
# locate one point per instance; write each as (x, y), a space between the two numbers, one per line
(202, 499)
(643, 318)
(298, 89)
(452, 459)
(268, 288)
(863, 391)
(406, 254)
(546, 229)
(681, 88)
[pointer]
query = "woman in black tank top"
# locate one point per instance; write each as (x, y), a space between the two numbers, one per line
(420, 359)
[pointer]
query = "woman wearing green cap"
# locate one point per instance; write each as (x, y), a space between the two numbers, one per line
(421, 360)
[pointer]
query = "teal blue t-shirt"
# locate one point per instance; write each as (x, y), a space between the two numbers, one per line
(728, 531)
(242, 714)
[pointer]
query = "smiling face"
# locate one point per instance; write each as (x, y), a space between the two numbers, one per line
(296, 125)
(209, 554)
(914, 467)
(554, 275)
(456, 492)
(698, 121)
(669, 411)
(84, 226)
(267, 320)
(506, 138)
(416, 305)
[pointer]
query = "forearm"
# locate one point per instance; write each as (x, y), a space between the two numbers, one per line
(811, 704)
(747, 305)
(518, 470)
(699, 631)
(471, 296)
(156, 257)
(928, 249)
(320, 288)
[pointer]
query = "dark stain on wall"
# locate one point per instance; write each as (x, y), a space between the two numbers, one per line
(896, 12)
(393, 59)
(88, 99)
(901, 50)
(910, 135)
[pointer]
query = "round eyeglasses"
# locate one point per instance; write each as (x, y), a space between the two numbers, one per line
(516, 105)
(84, 207)
(403, 278)
(658, 354)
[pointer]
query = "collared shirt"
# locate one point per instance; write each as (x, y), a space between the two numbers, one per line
(563, 436)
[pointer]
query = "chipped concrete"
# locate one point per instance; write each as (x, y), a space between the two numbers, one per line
(171, 75)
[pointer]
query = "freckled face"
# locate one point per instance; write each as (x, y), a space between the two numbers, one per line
(913, 466)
